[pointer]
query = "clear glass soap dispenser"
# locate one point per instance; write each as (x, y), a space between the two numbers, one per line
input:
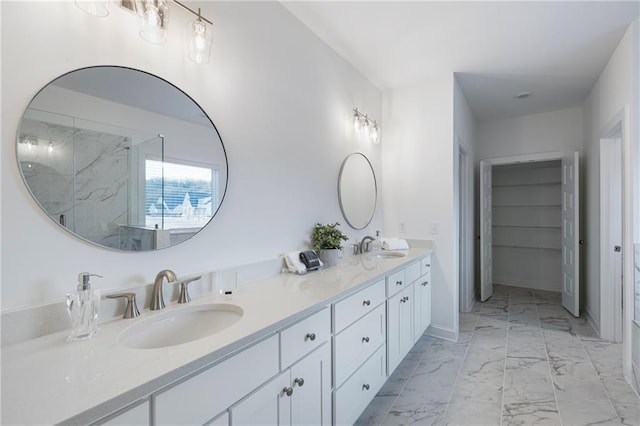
(83, 306)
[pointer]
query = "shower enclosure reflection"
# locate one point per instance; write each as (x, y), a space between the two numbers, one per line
(110, 188)
(122, 158)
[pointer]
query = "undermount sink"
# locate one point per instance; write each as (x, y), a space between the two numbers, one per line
(181, 326)
(387, 254)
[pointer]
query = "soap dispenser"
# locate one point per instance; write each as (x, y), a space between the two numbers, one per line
(83, 306)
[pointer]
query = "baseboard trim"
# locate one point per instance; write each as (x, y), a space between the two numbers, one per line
(443, 333)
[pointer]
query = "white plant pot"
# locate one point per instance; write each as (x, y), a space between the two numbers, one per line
(330, 256)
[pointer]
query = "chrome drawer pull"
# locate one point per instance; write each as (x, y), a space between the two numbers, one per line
(366, 302)
(399, 282)
(365, 339)
(288, 391)
(299, 382)
(310, 336)
(365, 387)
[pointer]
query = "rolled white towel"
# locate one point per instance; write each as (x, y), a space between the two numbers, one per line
(394, 244)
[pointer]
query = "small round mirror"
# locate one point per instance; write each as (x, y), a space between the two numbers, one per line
(122, 158)
(357, 190)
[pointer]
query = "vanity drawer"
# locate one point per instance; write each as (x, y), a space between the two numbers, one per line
(346, 311)
(350, 399)
(304, 336)
(425, 265)
(395, 283)
(207, 394)
(413, 272)
(357, 343)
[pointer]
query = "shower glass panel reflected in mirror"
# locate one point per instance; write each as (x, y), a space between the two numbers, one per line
(115, 190)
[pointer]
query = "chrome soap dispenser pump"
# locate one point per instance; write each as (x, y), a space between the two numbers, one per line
(83, 306)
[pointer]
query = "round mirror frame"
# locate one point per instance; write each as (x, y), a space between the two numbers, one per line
(225, 162)
(341, 194)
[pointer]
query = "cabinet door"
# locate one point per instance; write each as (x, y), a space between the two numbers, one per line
(399, 327)
(270, 405)
(422, 305)
(311, 384)
(138, 416)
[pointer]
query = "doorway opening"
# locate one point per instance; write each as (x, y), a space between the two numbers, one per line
(529, 216)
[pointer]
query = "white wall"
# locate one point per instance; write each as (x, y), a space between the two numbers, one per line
(553, 131)
(615, 95)
(418, 186)
(465, 128)
(280, 98)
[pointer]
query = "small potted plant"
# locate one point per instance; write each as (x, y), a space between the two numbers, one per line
(327, 242)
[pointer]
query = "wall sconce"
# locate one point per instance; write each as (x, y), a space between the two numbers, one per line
(153, 18)
(199, 40)
(366, 127)
(98, 8)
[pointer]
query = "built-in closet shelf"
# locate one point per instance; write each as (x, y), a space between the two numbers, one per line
(527, 247)
(527, 226)
(508, 185)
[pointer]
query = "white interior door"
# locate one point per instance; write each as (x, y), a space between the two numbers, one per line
(486, 220)
(570, 234)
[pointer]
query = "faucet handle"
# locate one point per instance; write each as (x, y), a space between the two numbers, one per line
(184, 290)
(131, 311)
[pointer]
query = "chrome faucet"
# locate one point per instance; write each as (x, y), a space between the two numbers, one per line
(157, 301)
(364, 246)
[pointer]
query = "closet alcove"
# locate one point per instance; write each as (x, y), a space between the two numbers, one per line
(527, 225)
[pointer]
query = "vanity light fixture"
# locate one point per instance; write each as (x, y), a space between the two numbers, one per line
(153, 18)
(98, 8)
(366, 127)
(199, 39)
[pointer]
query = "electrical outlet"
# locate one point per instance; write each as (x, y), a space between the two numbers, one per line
(435, 228)
(403, 227)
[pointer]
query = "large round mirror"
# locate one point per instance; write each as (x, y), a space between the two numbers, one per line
(122, 158)
(357, 190)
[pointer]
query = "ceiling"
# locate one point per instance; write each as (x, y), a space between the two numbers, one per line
(554, 49)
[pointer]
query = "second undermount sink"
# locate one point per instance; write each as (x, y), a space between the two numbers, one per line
(387, 254)
(181, 326)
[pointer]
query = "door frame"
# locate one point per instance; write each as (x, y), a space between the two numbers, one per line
(529, 158)
(610, 297)
(466, 292)
(623, 119)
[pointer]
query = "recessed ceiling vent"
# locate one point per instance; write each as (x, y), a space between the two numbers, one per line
(522, 95)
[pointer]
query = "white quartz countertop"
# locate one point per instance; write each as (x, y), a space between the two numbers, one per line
(49, 380)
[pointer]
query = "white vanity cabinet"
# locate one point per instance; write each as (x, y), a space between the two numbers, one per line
(422, 299)
(400, 336)
(301, 393)
(204, 396)
(138, 415)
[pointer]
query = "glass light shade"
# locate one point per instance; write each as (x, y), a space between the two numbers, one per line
(356, 121)
(366, 127)
(199, 41)
(98, 8)
(154, 20)
(375, 134)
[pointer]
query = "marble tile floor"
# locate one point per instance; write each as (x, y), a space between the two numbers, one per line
(521, 359)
